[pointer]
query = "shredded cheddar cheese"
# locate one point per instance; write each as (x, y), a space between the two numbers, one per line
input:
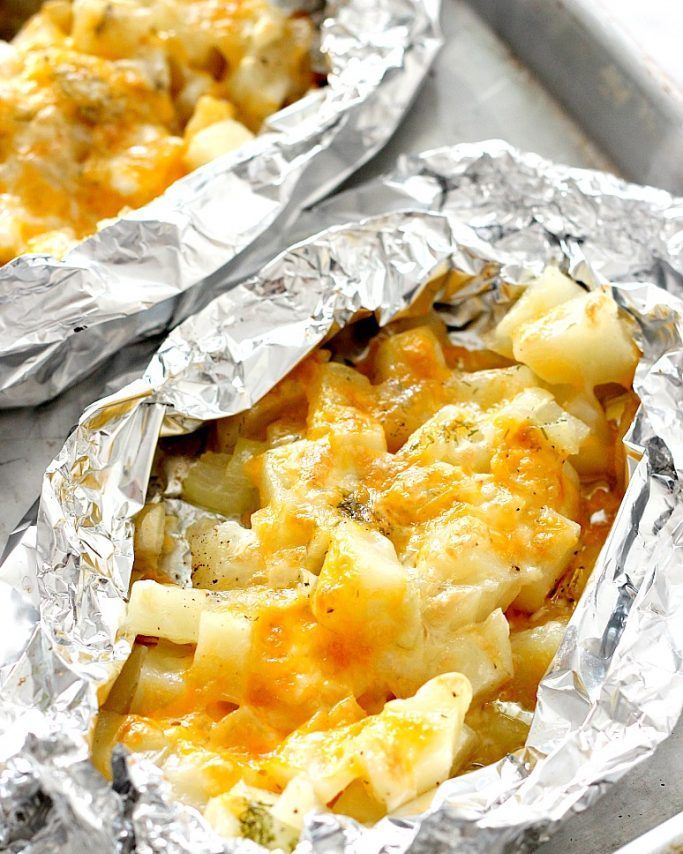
(391, 550)
(104, 103)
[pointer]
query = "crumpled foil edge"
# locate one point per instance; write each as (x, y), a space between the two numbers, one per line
(151, 268)
(615, 689)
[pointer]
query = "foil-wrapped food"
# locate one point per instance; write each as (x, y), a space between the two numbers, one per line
(147, 145)
(363, 292)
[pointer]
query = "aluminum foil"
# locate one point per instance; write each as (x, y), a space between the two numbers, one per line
(155, 266)
(615, 689)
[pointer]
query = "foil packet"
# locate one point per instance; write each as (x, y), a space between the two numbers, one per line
(615, 689)
(154, 266)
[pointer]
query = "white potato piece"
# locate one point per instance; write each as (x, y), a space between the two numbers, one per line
(538, 406)
(161, 677)
(165, 611)
(399, 753)
(223, 644)
(489, 387)
(461, 577)
(148, 540)
(216, 139)
(220, 483)
(458, 434)
(481, 652)
(596, 455)
(253, 813)
(582, 342)
(208, 111)
(554, 540)
(224, 556)
(533, 651)
(192, 772)
(551, 288)
(363, 590)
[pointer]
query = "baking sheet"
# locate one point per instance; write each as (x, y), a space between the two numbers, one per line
(477, 90)
(606, 61)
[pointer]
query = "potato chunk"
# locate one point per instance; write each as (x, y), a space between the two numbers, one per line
(224, 556)
(362, 590)
(403, 751)
(165, 611)
(223, 644)
(582, 342)
(550, 289)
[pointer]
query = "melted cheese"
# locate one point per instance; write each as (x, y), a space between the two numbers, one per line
(413, 527)
(104, 103)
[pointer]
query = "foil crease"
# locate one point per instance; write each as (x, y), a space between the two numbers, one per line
(615, 689)
(151, 268)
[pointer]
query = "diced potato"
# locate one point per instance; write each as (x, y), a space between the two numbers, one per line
(223, 644)
(208, 111)
(538, 406)
(284, 432)
(491, 387)
(220, 483)
(216, 139)
(413, 354)
(224, 556)
(457, 434)
(251, 812)
(399, 753)
(297, 799)
(362, 590)
(161, 679)
(481, 652)
(283, 469)
(258, 80)
(193, 773)
(244, 729)
(596, 455)
(360, 803)
(532, 653)
(554, 540)
(551, 288)
(497, 733)
(582, 342)
(203, 484)
(149, 537)
(221, 816)
(340, 403)
(461, 577)
(165, 611)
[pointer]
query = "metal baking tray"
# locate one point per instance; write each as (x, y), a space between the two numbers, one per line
(478, 89)
(611, 65)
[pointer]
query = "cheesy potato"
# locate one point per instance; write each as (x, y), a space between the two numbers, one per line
(104, 103)
(391, 547)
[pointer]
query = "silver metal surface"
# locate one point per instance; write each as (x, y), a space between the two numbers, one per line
(608, 62)
(666, 838)
(477, 90)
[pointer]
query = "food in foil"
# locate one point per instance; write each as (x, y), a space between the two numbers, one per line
(147, 270)
(495, 218)
(382, 557)
(104, 103)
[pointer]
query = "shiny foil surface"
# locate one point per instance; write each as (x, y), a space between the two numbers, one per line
(156, 265)
(615, 689)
